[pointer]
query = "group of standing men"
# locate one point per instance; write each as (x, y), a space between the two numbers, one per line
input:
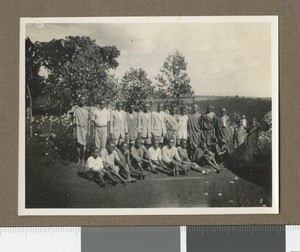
(119, 125)
(139, 139)
(173, 141)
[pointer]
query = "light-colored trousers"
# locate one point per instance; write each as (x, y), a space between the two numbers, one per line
(100, 137)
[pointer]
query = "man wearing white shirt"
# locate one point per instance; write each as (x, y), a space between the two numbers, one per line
(244, 121)
(156, 161)
(95, 169)
(132, 123)
(158, 123)
(111, 161)
(182, 131)
(144, 125)
(171, 158)
(101, 118)
(118, 124)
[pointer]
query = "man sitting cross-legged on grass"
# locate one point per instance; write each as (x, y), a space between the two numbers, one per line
(172, 160)
(156, 159)
(110, 158)
(140, 157)
(124, 155)
(95, 170)
(182, 152)
(204, 156)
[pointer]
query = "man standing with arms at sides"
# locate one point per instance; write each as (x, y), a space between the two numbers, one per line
(239, 135)
(81, 127)
(194, 130)
(158, 123)
(132, 123)
(118, 124)
(244, 121)
(100, 118)
(252, 139)
(207, 124)
(144, 125)
(172, 124)
(182, 122)
(222, 125)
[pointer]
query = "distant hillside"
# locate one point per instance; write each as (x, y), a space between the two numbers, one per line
(250, 107)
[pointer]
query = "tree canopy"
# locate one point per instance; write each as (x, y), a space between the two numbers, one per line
(173, 81)
(77, 66)
(34, 82)
(136, 86)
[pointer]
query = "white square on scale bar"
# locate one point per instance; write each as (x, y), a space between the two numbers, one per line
(292, 238)
(46, 239)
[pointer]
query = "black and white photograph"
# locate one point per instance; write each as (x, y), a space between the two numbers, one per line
(148, 116)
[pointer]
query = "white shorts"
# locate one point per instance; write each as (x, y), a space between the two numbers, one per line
(100, 171)
(182, 134)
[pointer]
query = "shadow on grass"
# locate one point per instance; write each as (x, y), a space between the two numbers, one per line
(82, 175)
(258, 172)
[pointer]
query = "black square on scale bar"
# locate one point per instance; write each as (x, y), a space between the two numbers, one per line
(235, 238)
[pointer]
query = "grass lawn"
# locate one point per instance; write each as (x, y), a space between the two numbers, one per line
(53, 183)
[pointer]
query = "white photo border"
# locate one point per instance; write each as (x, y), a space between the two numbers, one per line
(274, 209)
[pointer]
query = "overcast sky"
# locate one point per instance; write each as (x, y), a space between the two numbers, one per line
(223, 58)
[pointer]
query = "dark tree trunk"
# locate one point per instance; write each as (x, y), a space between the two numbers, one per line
(30, 112)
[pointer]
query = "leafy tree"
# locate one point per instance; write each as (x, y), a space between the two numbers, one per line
(78, 66)
(173, 81)
(136, 86)
(33, 81)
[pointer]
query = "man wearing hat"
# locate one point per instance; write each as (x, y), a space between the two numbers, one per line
(118, 124)
(207, 124)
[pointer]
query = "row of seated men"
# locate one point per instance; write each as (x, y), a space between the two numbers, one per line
(127, 164)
